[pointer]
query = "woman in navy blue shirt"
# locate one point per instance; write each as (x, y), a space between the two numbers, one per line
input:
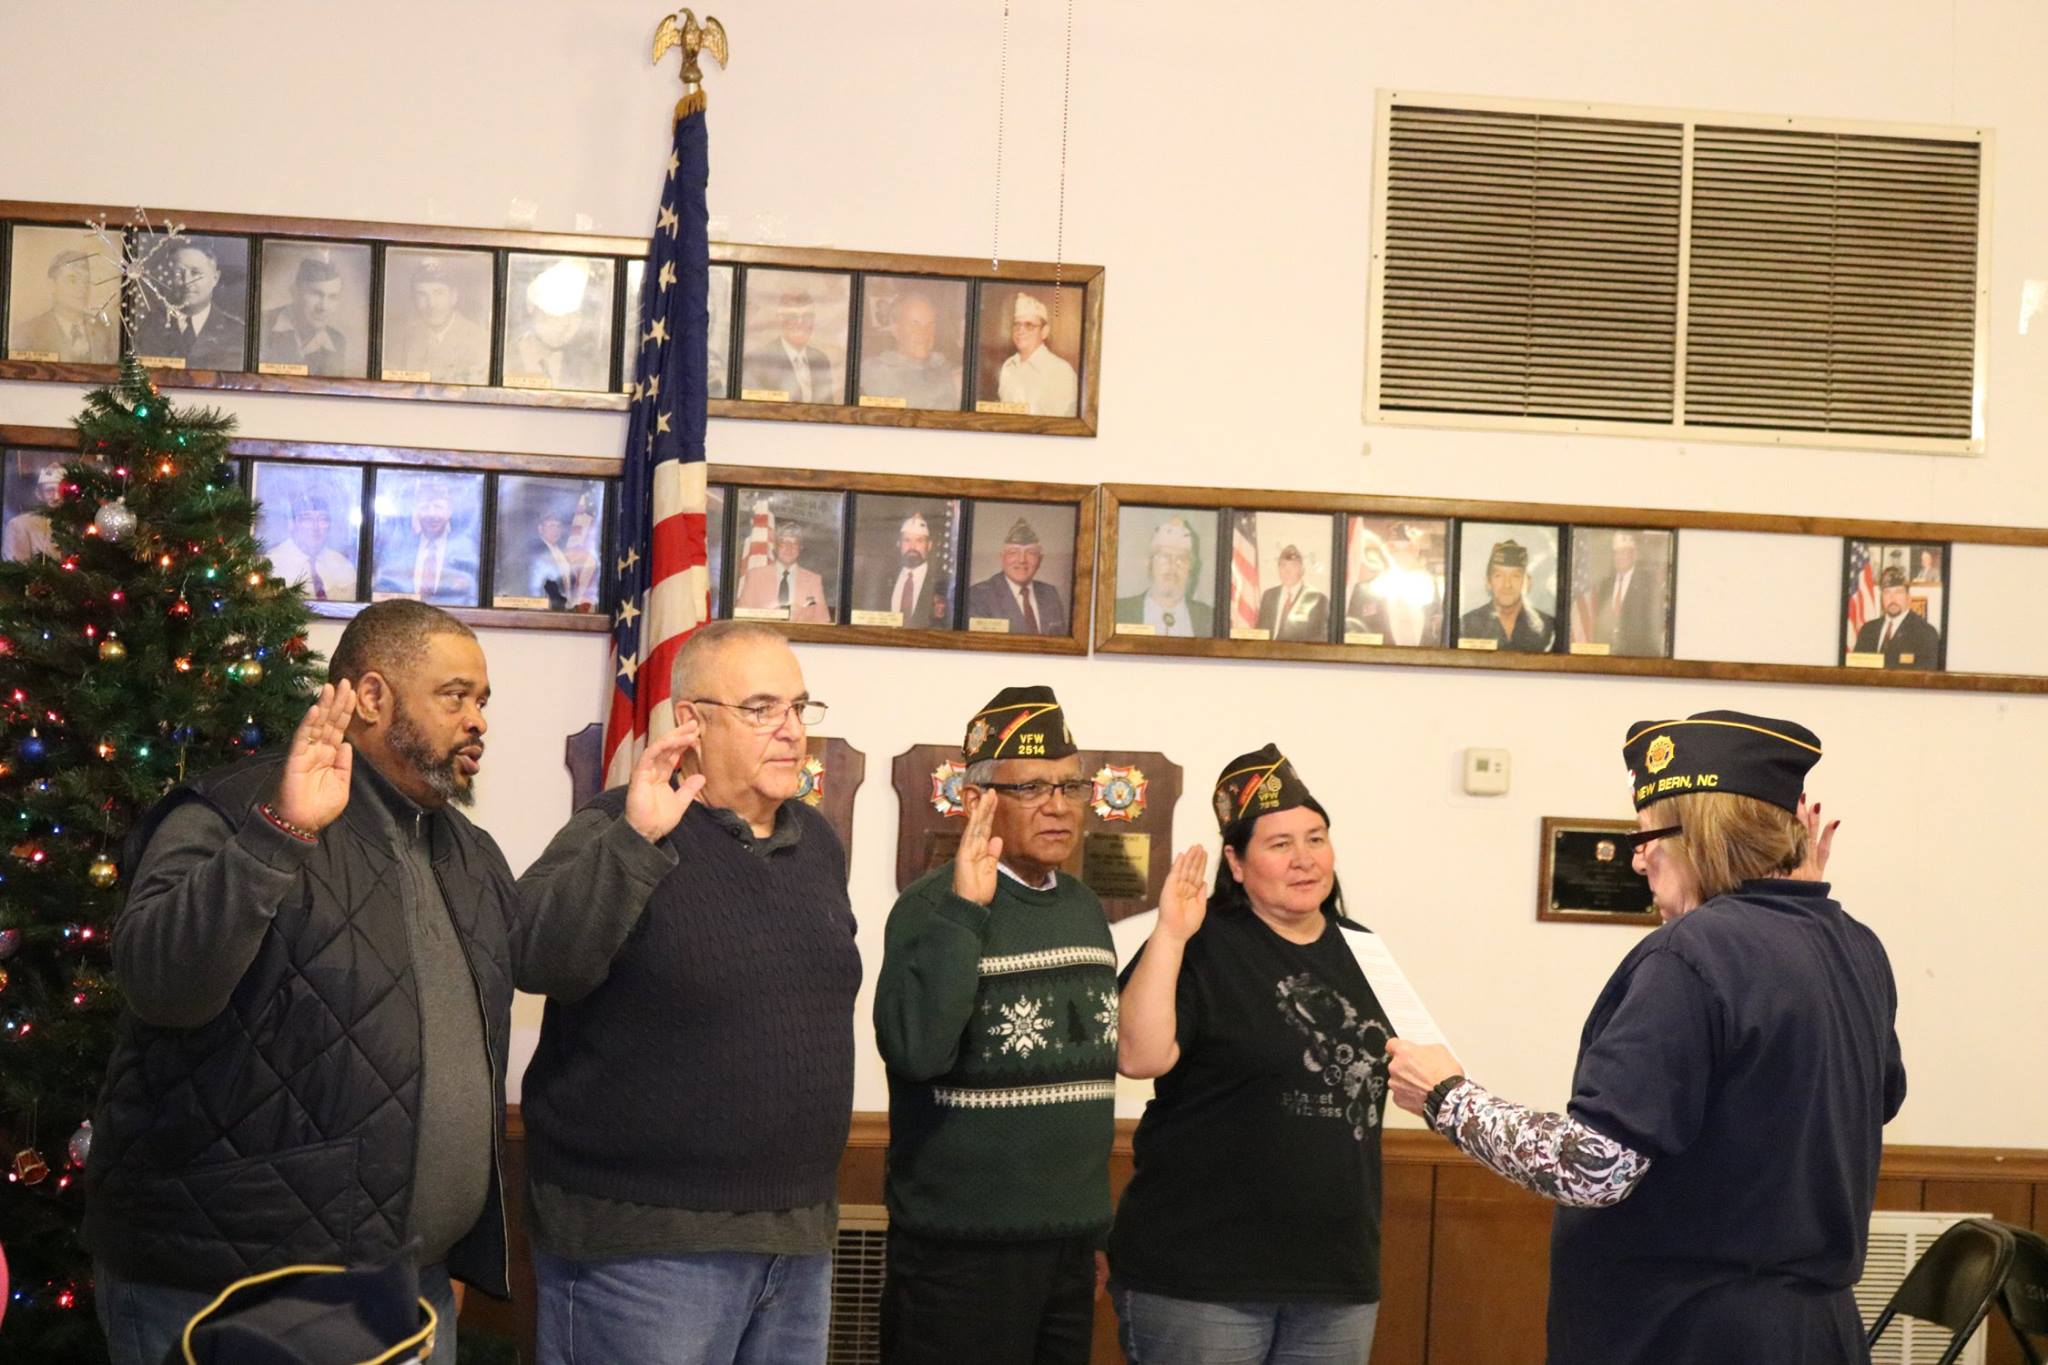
(1717, 1165)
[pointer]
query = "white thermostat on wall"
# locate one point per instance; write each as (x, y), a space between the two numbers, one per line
(1486, 772)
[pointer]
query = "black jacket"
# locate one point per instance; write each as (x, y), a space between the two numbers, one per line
(281, 1130)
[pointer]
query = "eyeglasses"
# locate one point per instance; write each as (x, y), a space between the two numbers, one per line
(769, 715)
(1075, 789)
(1643, 838)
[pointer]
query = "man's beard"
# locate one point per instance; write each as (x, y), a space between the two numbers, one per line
(437, 770)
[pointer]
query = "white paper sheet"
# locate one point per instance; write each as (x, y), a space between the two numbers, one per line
(1397, 995)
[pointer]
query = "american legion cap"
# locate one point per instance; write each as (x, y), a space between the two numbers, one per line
(1729, 752)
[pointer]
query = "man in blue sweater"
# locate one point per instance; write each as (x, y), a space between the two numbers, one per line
(690, 1098)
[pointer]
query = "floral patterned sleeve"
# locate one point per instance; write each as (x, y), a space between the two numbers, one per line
(1554, 1155)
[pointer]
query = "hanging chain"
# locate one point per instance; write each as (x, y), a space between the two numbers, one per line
(1059, 249)
(995, 249)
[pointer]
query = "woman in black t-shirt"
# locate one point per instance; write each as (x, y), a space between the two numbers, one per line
(1251, 1226)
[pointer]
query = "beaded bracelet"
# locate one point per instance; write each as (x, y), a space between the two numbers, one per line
(303, 835)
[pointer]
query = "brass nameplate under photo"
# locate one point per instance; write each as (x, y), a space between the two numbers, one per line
(877, 400)
(283, 367)
(1588, 874)
(1126, 843)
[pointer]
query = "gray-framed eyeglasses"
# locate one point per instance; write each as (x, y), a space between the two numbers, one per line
(1075, 789)
(769, 715)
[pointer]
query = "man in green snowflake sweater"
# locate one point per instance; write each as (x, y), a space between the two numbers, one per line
(996, 1014)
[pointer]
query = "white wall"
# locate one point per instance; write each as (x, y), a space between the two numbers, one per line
(1219, 169)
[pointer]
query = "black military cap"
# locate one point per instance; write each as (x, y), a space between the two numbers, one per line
(1511, 553)
(1258, 783)
(1720, 751)
(1019, 722)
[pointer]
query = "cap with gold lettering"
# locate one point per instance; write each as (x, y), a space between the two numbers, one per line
(1255, 784)
(1720, 751)
(1019, 722)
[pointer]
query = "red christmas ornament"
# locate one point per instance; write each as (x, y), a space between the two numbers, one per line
(29, 1166)
(181, 609)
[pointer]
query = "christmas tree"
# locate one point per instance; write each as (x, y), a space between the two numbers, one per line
(151, 645)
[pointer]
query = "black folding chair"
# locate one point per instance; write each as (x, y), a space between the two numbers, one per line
(2024, 1297)
(1954, 1283)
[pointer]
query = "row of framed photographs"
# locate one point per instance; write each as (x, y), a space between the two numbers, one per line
(564, 323)
(1457, 583)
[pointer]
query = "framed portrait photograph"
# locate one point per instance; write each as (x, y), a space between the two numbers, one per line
(716, 499)
(1396, 577)
(427, 536)
(315, 309)
(548, 550)
(788, 544)
(1624, 582)
(62, 300)
(1166, 571)
(913, 335)
(718, 337)
(310, 522)
(795, 343)
(1028, 350)
(31, 483)
(1895, 604)
(1020, 568)
(904, 552)
(1280, 576)
(1507, 586)
(557, 314)
(194, 314)
(437, 316)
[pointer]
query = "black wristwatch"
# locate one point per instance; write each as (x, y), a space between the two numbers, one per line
(1434, 1101)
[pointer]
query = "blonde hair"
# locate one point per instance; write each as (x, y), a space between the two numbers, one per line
(1731, 839)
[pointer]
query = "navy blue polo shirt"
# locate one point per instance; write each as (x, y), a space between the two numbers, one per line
(1747, 1049)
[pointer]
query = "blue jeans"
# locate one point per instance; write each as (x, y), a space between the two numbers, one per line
(708, 1308)
(144, 1323)
(1157, 1330)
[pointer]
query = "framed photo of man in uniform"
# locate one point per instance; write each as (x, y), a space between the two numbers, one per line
(1396, 580)
(788, 547)
(549, 550)
(557, 325)
(1020, 568)
(718, 333)
(61, 297)
(1280, 579)
(194, 312)
(427, 535)
(314, 309)
(437, 315)
(33, 483)
(1028, 350)
(1895, 604)
(913, 333)
(795, 344)
(1165, 571)
(904, 553)
(310, 523)
(1624, 582)
(1507, 586)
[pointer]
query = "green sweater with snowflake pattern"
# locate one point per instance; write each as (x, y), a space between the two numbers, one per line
(998, 1026)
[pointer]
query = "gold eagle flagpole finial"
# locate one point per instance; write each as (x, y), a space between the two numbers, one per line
(682, 30)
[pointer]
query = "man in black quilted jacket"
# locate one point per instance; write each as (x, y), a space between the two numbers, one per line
(318, 952)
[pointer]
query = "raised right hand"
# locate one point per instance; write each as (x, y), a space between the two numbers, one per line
(974, 864)
(653, 806)
(312, 790)
(1184, 900)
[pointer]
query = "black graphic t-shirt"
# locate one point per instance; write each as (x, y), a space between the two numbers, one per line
(1258, 1160)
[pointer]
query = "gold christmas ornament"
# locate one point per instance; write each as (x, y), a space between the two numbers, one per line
(112, 650)
(103, 873)
(249, 670)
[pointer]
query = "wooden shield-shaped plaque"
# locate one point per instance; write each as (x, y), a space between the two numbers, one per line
(832, 773)
(1126, 843)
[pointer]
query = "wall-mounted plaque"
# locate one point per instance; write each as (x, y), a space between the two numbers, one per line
(1588, 875)
(832, 773)
(1126, 843)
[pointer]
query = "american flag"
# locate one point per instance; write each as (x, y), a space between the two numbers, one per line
(664, 586)
(1244, 571)
(1864, 602)
(760, 547)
